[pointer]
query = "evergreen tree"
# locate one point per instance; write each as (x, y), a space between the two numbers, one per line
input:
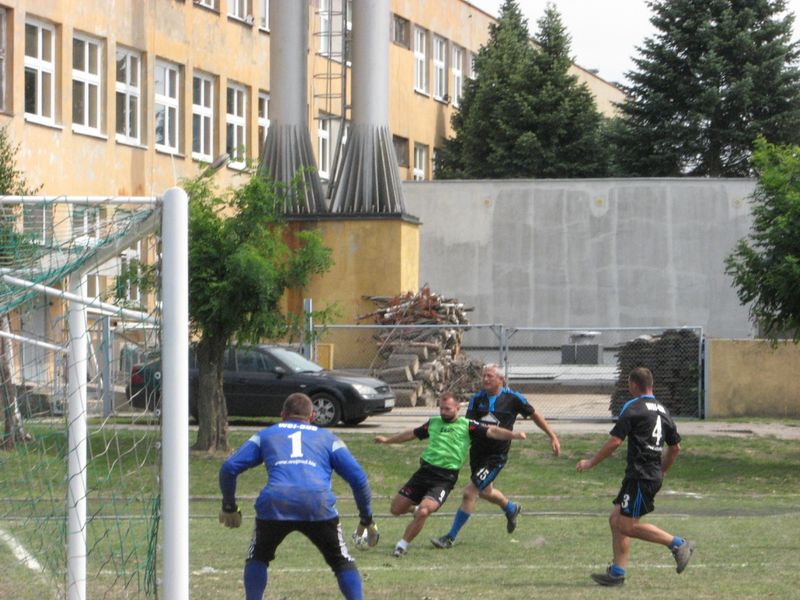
(717, 74)
(524, 115)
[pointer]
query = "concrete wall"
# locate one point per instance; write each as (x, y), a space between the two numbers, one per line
(749, 378)
(586, 253)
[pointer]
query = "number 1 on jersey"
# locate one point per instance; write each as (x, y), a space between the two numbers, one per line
(297, 444)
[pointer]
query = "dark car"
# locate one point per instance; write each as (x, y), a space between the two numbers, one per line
(257, 379)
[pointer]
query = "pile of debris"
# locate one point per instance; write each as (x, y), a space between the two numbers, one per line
(421, 357)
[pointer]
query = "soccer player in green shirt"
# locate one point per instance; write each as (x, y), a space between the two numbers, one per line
(449, 438)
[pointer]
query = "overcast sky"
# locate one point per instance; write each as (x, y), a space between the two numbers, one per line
(604, 33)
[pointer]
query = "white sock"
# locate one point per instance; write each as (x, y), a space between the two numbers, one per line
(402, 544)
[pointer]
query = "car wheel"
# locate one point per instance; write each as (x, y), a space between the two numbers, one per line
(327, 409)
(352, 422)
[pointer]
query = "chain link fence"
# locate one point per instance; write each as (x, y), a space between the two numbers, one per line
(564, 373)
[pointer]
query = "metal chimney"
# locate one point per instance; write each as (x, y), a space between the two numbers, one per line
(366, 179)
(288, 146)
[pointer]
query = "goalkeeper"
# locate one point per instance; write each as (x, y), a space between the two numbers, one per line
(300, 459)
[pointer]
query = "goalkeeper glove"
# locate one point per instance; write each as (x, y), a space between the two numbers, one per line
(230, 515)
(369, 526)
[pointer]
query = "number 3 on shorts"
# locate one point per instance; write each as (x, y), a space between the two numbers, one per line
(626, 499)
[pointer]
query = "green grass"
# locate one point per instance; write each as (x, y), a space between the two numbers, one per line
(738, 497)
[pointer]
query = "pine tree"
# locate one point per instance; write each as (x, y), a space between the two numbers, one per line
(524, 115)
(716, 75)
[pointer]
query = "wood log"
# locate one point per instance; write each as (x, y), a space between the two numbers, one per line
(395, 375)
(405, 398)
(417, 386)
(403, 360)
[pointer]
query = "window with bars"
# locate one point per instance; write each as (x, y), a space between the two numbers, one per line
(40, 71)
(203, 117)
(236, 125)
(167, 124)
(128, 90)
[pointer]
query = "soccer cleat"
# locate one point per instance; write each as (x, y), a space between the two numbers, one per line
(399, 552)
(443, 543)
(607, 579)
(511, 519)
(682, 555)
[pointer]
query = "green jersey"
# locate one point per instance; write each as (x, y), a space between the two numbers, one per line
(449, 441)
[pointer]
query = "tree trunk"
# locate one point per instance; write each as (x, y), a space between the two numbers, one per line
(212, 413)
(13, 431)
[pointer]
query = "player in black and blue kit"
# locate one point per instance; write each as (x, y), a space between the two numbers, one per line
(648, 426)
(495, 405)
(300, 459)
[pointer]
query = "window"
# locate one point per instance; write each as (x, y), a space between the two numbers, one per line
(212, 4)
(400, 28)
(325, 27)
(400, 150)
(421, 60)
(130, 273)
(129, 96)
(86, 59)
(167, 80)
(333, 29)
(458, 74)
(37, 221)
(85, 224)
(40, 69)
(240, 9)
(439, 68)
(263, 21)
(420, 162)
(235, 144)
(324, 133)
(434, 159)
(471, 65)
(203, 117)
(3, 58)
(263, 121)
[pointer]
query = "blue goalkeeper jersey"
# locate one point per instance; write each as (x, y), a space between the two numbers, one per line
(300, 460)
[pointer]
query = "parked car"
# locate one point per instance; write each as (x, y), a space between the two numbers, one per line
(257, 379)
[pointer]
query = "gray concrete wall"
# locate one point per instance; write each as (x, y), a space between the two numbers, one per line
(586, 253)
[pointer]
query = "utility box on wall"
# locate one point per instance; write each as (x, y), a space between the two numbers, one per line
(577, 354)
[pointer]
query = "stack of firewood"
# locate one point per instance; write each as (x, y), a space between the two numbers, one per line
(419, 363)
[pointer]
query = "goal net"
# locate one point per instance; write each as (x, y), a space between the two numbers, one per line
(79, 457)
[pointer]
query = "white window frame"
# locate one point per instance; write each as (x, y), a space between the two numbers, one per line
(42, 67)
(262, 120)
(263, 22)
(240, 9)
(90, 82)
(204, 114)
(420, 170)
(236, 125)
(324, 148)
(325, 27)
(131, 91)
(3, 58)
(29, 214)
(85, 224)
(471, 65)
(170, 103)
(439, 68)
(458, 75)
(212, 4)
(421, 60)
(133, 293)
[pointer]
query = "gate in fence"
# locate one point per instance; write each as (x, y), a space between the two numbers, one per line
(564, 373)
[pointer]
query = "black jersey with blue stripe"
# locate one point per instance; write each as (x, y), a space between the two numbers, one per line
(500, 410)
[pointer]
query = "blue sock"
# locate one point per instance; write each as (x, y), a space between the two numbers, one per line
(676, 541)
(459, 521)
(616, 571)
(510, 508)
(350, 584)
(255, 579)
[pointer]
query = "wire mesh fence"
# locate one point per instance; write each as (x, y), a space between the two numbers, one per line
(564, 373)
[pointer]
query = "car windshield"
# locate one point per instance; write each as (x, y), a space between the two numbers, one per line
(295, 362)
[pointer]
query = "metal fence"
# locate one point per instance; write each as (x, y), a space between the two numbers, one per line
(565, 373)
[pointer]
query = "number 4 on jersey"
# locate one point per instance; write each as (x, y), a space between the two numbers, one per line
(656, 432)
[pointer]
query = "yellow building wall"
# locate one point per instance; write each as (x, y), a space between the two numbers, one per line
(748, 378)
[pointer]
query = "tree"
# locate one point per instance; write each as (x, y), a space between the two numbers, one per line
(241, 261)
(524, 114)
(716, 75)
(766, 267)
(14, 247)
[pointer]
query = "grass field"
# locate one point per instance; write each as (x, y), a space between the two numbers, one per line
(737, 497)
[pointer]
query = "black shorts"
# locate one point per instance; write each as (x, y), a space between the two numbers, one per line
(325, 535)
(636, 497)
(429, 481)
(485, 469)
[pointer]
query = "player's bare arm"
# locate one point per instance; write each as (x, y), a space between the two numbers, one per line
(398, 438)
(670, 455)
(498, 433)
(542, 424)
(605, 451)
